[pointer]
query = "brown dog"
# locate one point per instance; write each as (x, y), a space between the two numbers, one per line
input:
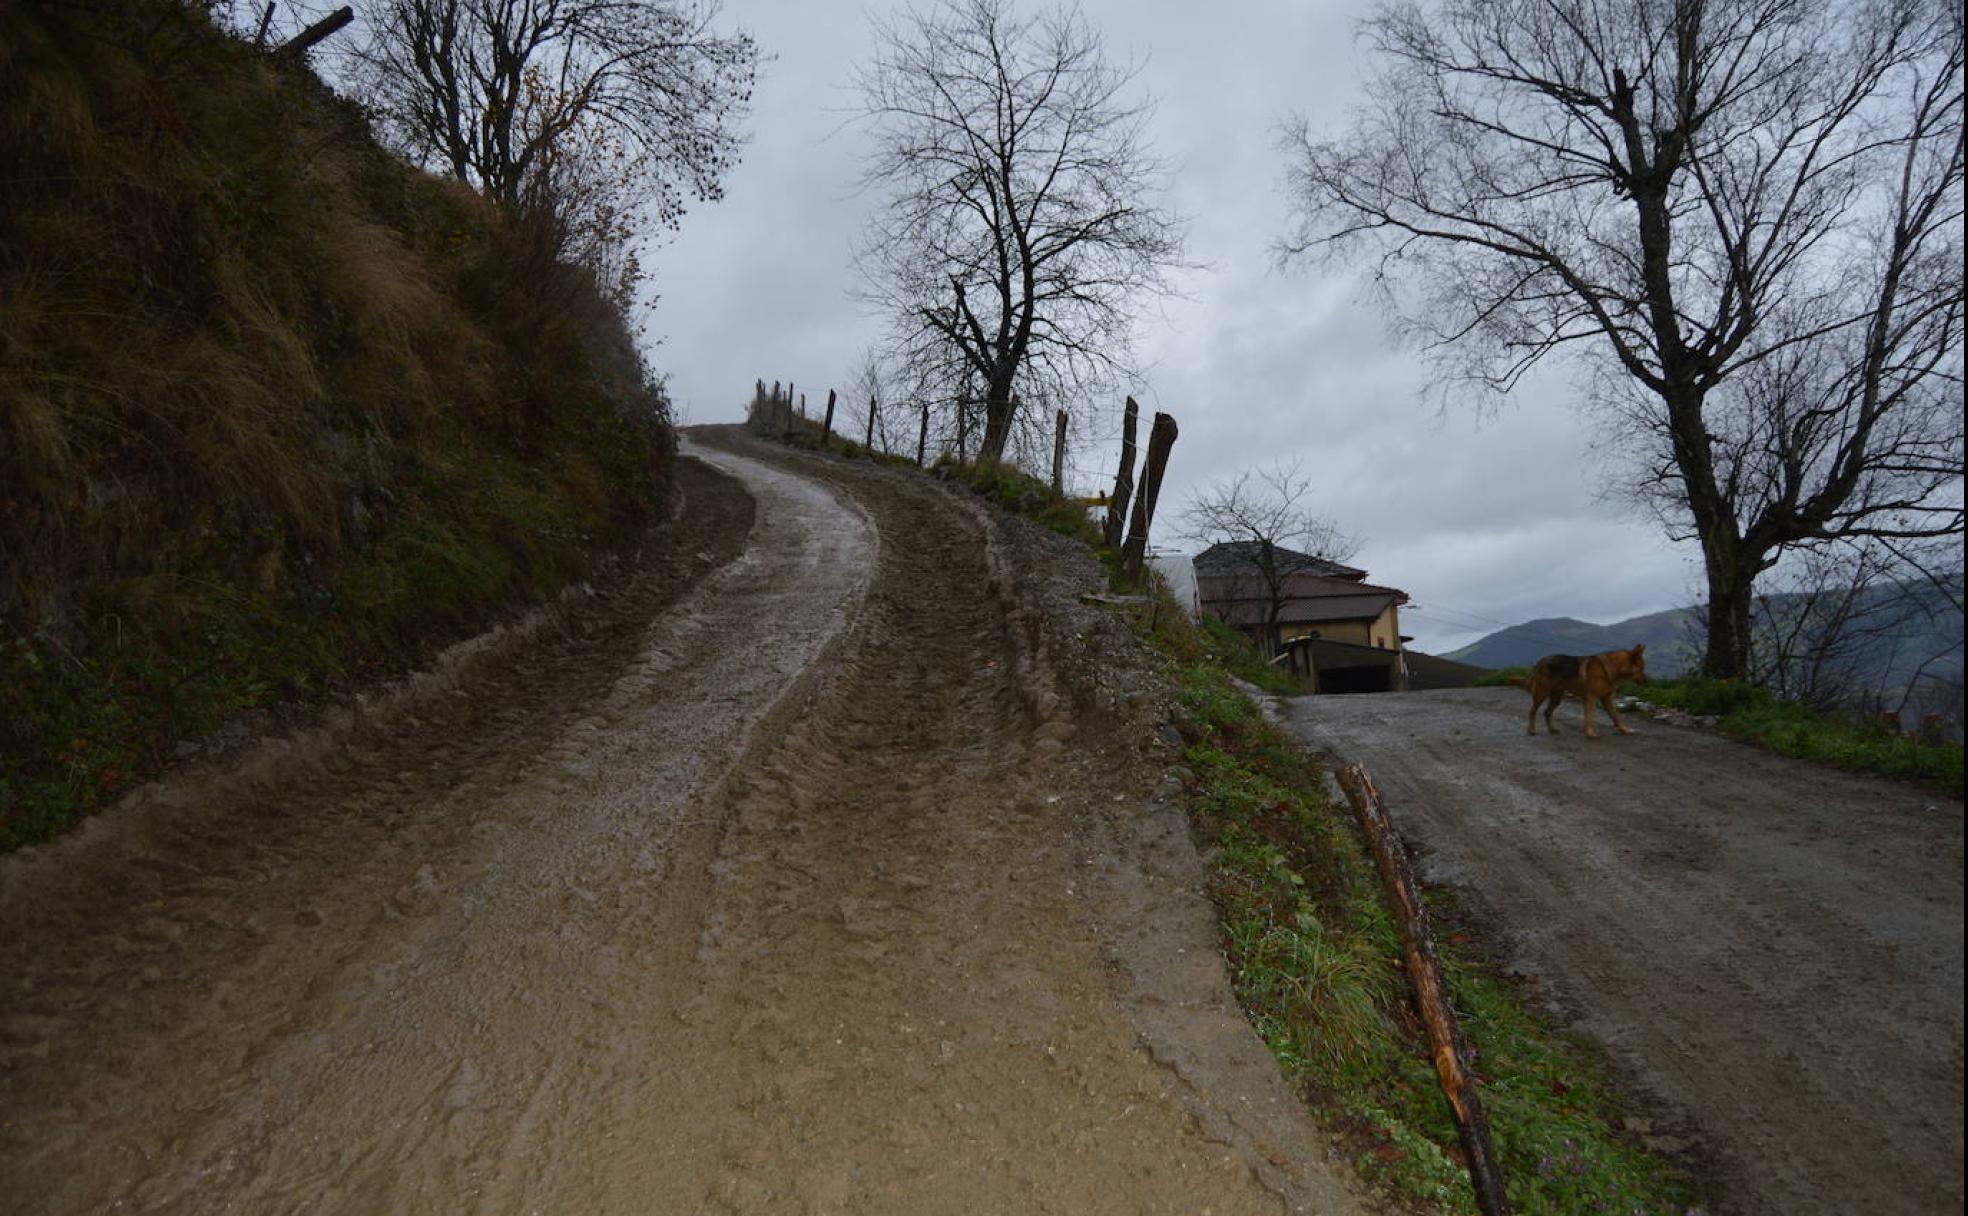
(1589, 677)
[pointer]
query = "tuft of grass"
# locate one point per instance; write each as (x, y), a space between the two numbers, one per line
(1751, 712)
(1021, 493)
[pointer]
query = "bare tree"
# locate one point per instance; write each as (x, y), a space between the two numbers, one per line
(516, 96)
(1746, 214)
(1019, 236)
(1266, 534)
(1830, 626)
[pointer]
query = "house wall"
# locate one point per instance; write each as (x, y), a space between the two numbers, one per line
(1384, 631)
(1387, 628)
(1357, 632)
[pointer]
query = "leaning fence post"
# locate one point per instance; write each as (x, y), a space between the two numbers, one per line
(1059, 453)
(827, 427)
(869, 442)
(1117, 506)
(298, 45)
(1134, 554)
(1431, 993)
(922, 436)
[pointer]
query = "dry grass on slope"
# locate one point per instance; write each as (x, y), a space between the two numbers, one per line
(275, 408)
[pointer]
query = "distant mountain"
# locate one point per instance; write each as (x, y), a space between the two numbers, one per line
(1670, 637)
(1673, 639)
(1428, 671)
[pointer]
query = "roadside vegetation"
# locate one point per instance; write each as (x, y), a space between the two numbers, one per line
(1316, 962)
(1755, 714)
(1314, 954)
(277, 410)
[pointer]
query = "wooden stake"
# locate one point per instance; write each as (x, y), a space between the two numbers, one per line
(1134, 554)
(869, 443)
(1117, 506)
(1431, 993)
(827, 427)
(299, 43)
(1059, 452)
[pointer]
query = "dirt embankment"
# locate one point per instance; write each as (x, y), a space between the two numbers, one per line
(1772, 948)
(838, 882)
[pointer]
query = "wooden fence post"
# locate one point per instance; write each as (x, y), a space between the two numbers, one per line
(1134, 554)
(922, 436)
(869, 443)
(1431, 993)
(963, 433)
(298, 45)
(827, 427)
(1117, 506)
(1059, 452)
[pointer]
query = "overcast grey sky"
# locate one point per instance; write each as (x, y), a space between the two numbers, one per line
(1484, 522)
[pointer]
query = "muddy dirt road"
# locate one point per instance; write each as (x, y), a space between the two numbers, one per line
(1771, 947)
(783, 878)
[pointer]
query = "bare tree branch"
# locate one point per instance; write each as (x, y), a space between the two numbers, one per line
(610, 111)
(1746, 214)
(1019, 237)
(1268, 532)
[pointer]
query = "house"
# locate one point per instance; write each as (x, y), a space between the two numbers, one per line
(1332, 625)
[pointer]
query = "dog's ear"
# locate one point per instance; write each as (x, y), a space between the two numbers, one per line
(1639, 650)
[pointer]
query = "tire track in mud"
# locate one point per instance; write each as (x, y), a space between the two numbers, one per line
(813, 897)
(906, 1000)
(362, 988)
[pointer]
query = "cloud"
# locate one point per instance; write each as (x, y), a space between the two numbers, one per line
(1481, 519)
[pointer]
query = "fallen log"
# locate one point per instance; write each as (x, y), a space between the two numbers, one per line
(1431, 993)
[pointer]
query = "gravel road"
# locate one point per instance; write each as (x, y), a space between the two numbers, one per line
(1771, 948)
(806, 869)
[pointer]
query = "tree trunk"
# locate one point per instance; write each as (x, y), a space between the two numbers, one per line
(1117, 508)
(1000, 406)
(1731, 596)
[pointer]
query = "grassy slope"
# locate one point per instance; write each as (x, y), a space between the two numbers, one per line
(1317, 963)
(276, 410)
